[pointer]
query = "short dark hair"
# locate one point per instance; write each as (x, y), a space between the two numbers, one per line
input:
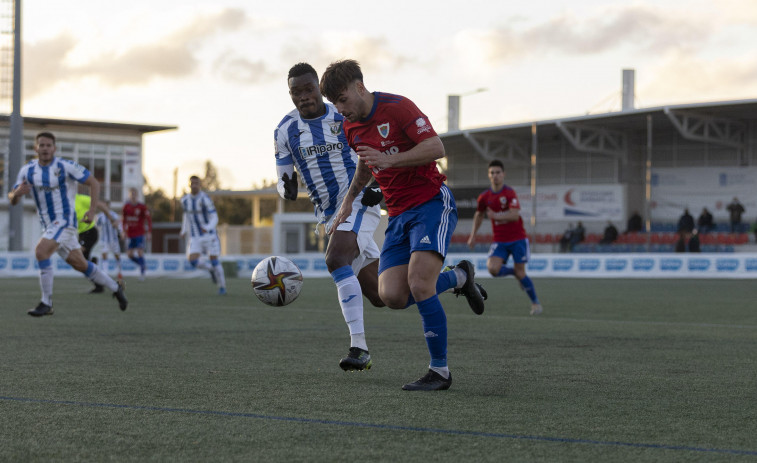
(300, 69)
(338, 76)
(497, 163)
(194, 177)
(45, 135)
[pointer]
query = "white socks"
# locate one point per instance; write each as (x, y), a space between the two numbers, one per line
(351, 301)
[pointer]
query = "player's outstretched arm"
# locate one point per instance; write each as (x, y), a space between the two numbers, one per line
(94, 193)
(478, 218)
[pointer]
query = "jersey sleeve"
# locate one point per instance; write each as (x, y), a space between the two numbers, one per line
(512, 200)
(481, 202)
(212, 214)
(76, 171)
(281, 146)
(22, 173)
(284, 158)
(414, 123)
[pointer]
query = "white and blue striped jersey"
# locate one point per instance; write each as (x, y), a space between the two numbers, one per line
(318, 149)
(108, 233)
(54, 189)
(200, 217)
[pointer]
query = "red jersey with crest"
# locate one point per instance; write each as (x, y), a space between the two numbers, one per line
(500, 201)
(396, 125)
(134, 218)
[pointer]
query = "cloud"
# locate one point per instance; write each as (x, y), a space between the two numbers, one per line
(239, 69)
(685, 77)
(173, 56)
(647, 29)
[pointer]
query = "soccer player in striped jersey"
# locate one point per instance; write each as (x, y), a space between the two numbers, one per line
(310, 141)
(500, 203)
(110, 237)
(397, 145)
(199, 222)
(53, 182)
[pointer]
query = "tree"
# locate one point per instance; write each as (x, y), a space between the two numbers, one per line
(231, 210)
(158, 203)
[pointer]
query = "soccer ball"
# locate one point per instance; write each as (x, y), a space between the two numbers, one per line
(277, 281)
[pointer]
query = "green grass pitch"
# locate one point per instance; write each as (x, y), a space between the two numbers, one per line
(614, 370)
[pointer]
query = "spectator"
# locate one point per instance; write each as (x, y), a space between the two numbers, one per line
(565, 239)
(610, 235)
(635, 224)
(693, 245)
(735, 209)
(686, 223)
(705, 223)
(681, 243)
(578, 235)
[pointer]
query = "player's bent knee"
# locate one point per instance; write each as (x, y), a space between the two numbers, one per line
(375, 300)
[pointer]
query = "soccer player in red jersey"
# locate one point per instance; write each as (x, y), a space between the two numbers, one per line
(500, 204)
(136, 221)
(397, 145)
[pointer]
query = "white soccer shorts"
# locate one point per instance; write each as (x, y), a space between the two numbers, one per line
(369, 221)
(66, 237)
(207, 244)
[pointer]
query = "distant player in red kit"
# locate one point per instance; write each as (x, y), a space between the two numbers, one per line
(136, 222)
(501, 205)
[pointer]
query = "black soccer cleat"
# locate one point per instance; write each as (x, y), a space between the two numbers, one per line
(470, 289)
(483, 292)
(432, 381)
(40, 310)
(119, 294)
(97, 289)
(357, 360)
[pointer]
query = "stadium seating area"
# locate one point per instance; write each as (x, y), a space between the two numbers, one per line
(662, 239)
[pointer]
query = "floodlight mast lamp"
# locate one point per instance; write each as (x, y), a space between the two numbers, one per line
(453, 108)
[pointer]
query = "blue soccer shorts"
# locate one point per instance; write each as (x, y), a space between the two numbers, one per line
(426, 227)
(138, 242)
(520, 250)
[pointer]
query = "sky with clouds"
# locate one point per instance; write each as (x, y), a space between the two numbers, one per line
(217, 70)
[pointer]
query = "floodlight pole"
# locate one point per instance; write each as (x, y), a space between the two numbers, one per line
(453, 109)
(15, 161)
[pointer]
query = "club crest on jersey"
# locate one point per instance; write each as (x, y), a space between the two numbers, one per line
(336, 127)
(383, 129)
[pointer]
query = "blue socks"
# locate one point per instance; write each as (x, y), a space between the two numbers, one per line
(528, 287)
(435, 330)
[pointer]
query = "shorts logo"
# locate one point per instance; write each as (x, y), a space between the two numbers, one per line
(430, 334)
(425, 240)
(383, 130)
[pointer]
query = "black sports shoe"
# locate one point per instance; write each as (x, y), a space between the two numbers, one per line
(119, 294)
(470, 289)
(97, 289)
(40, 310)
(357, 360)
(433, 381)
(483, 292)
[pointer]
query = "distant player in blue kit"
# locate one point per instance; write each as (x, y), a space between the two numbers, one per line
(500, 204)
(397, 145)
(53, 183)
(310, 140)
(199, 222)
